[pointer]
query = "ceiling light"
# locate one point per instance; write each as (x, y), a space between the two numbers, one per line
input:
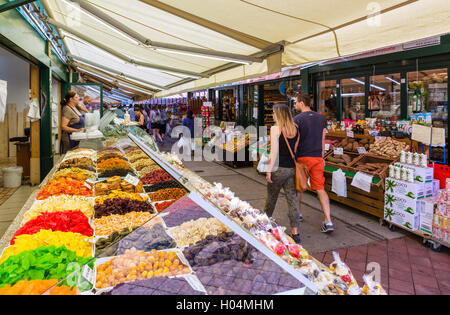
(372, 85)
(390, 79)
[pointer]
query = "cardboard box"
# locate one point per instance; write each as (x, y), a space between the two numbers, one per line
(427, 214)
(403, 219)
(429, 190)
(436, 186)
(402, 204)
(421, 174)
(401, 188)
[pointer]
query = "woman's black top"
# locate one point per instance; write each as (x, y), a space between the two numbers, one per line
(284, 155)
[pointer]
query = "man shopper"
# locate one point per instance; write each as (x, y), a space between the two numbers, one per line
(313, 128)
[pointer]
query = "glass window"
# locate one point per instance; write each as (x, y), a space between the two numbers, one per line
(428, 92)
(353, 98)
(385, 96)
(327, 99)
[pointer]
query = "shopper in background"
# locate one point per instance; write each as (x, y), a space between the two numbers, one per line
(140, 118)
(228, 111)
(188, 122)
(156, 121)
(144, 112)
(72, 120)
(163, 127)
(83, 106)
(313, 128)
(281, 168)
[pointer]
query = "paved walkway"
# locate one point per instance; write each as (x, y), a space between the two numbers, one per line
(407, 267)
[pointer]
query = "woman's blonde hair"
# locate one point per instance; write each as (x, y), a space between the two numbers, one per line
(284, 119)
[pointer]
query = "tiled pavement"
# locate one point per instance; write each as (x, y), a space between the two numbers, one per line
(407, 267)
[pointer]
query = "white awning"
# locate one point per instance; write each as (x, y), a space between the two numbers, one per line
(309, 30)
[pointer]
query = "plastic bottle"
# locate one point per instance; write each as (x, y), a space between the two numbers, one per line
(403, 157)
(391, 171)
(409, 158)
(416, 159)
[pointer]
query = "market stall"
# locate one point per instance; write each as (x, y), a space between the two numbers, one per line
(127, 219)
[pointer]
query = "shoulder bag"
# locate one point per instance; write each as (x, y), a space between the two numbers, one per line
(301, 171)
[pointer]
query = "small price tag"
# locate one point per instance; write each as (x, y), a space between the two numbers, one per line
(379, 138)
(195, 283)
(350, 134)
(88, 185)
(339, 151)
(362, 150)
(132, 180)
(327, 147)
(88, 274)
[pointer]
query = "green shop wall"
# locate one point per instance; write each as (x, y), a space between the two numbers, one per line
(19, 37)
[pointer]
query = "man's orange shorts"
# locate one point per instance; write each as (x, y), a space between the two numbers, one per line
(315, 167)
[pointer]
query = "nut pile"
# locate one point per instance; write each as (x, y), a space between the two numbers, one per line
(194, 231)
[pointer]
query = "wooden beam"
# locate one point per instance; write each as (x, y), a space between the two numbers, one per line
(35, 166)
(234, 34)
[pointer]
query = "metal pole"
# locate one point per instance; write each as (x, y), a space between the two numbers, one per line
(15, 4)
(119, 55)
(158, 45)
(101, 67)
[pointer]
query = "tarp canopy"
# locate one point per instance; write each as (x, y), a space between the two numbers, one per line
(309, 30)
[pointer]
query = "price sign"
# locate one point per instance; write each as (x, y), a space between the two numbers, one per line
(362, 150)
(132, 180)
(195, 283)
(88, 274)
(339, 151)
(90, 181)
(379, 138)
(87, 185)
(350, 134)
(327, 147)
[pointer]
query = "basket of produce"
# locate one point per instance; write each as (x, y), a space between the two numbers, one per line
(388, 147)
(374, 165)
(343, 161)
(352, 145)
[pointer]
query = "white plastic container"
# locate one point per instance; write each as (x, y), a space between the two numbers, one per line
(12, 176)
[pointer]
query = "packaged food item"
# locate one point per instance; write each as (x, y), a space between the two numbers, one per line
(371, 287)
(340, 269)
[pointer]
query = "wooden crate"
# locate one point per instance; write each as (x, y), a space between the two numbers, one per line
(372, 203)
(370, 158)
(355, 156)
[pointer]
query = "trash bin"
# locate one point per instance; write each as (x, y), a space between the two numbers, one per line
(12, 176)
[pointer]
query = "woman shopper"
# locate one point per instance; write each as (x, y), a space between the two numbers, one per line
(163, 124)
(156, 121)
(72, 120)
(139, 116)
(284, 137)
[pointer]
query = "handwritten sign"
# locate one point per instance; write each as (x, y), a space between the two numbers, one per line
(132, 180)
(339, 151)
(362, 150)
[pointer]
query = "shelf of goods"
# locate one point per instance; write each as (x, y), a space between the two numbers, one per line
(374, 161)
(153, 227)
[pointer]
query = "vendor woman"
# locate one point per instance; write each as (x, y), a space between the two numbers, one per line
(72, 120)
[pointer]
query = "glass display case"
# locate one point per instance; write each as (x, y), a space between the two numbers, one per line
(353, 94)
(327, 98)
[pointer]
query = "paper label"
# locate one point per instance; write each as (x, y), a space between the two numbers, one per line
(339, 151)
(362, 150)
(87, 185)
(362, 181)
(90, 181)
(132, 180)
(350, 134)
(195, 283)
(327, 147)
(379, 138)
(88, 274)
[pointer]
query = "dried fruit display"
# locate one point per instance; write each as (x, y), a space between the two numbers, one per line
(194, 231)
(107, 246)
(63, 221)
(74, 173)
(121, 195)
(149, 169)
(76, 162)
(146, 240)
(112, 163)
(215, 249)
(185, 214)
(121, 206)
(105, 226)
(122, 172)
(167, 194)
(60, 203)
(163, 185)
(143, 163)
(155, 177)
(116, 183)
(84, 167)
(139, 265)
(64, 187)
(38, 287)
(42, 263)
(72, 241)
(155, 286)
(160, 206)
(111, 156)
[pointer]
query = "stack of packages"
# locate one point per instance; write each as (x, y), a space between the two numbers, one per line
(441, 223)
